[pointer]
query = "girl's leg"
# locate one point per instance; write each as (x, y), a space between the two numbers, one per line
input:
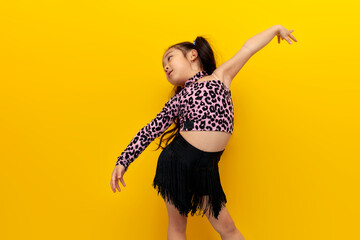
(177, 223)
(224, 225)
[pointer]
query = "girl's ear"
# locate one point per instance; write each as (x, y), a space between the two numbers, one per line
(192, 55)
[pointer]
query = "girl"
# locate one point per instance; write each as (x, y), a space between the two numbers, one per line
(187, 173)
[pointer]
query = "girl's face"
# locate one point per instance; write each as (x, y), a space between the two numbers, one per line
(179, 67)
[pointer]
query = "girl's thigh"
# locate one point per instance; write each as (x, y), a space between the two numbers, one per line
(176, 220)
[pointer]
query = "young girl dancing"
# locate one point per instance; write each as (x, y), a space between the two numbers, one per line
(187, 173)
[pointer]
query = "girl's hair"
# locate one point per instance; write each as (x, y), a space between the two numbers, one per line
(207, 63)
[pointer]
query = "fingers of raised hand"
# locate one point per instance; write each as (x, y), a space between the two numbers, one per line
(286, 35)
(292, 37)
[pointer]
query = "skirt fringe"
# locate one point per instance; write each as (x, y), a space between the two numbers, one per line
(212, 200)
(189, 179)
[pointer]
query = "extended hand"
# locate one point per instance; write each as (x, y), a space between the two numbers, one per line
(117, 175)
(283, 33)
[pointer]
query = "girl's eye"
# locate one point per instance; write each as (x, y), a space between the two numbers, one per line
(169, 57)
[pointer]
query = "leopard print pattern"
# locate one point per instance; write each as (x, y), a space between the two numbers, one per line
(206, 106)
(148, 133)
(201, 106)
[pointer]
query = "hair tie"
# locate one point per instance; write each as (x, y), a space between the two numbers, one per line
(194, 42)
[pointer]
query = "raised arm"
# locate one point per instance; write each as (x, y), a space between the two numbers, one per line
(230, 68)
(150, 132)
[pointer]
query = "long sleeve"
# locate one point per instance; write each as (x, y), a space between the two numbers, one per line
(150, 132)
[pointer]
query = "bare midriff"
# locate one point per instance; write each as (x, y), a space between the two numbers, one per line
(208, 141)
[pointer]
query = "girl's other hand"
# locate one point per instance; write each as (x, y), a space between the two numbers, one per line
(283, 33)
(117, 175)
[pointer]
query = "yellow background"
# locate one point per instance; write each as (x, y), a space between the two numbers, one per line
(80, 78)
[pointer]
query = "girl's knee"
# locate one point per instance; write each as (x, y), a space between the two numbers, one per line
(226, 227)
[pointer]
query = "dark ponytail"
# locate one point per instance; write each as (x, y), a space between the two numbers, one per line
(206, 54)
(207, 63)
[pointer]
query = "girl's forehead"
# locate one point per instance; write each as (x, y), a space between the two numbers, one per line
(170, 50)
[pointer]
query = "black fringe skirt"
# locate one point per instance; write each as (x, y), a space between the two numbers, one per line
(189, 178)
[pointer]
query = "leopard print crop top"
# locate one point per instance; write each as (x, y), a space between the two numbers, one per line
(200, 106)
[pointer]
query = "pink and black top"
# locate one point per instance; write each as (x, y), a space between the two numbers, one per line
(200, 106)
